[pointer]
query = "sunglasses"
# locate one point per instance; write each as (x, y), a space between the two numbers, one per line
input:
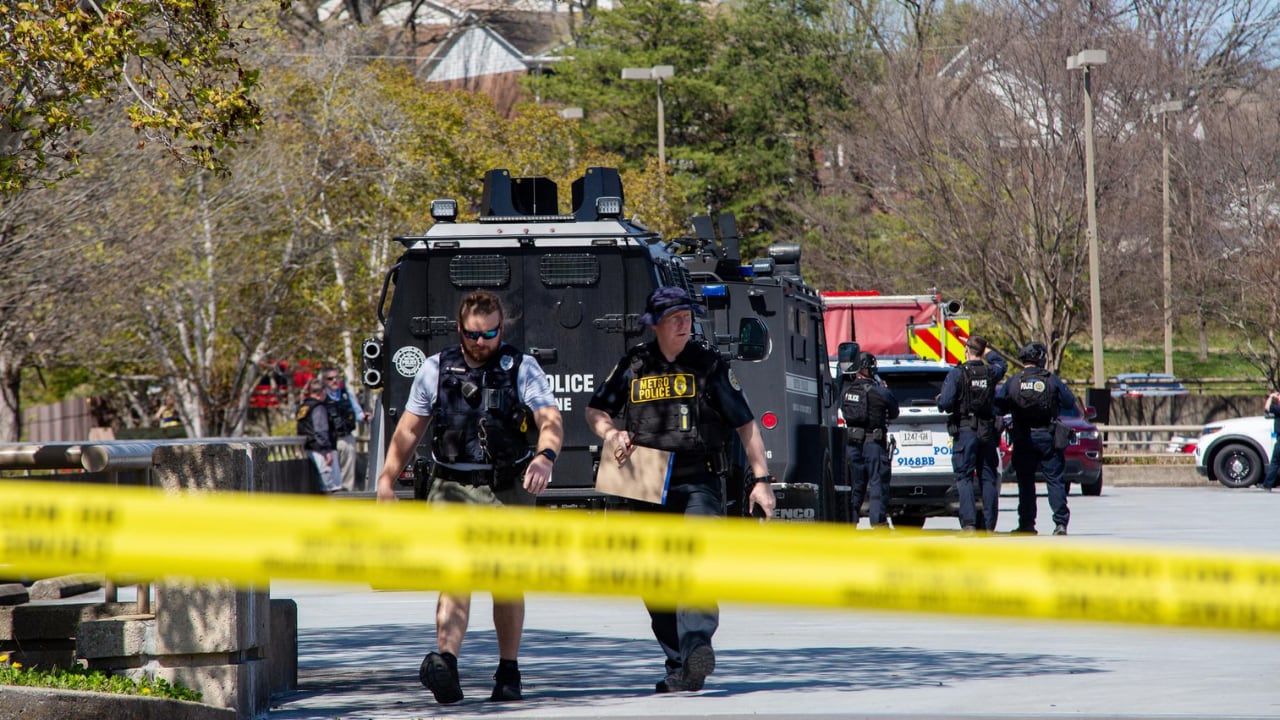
(331, 378)
(482, 334)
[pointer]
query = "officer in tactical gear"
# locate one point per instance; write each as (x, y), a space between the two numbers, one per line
(479, 397)
(681, 396)
(968, 394)
(867, 406)
(1035, 397)
(344, 414)
(312, 423)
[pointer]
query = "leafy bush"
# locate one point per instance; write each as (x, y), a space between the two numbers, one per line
(92, 681)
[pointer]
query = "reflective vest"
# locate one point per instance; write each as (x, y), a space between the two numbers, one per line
(668, 405)
(477, 417)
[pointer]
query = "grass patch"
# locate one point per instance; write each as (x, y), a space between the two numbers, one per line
(91, 681)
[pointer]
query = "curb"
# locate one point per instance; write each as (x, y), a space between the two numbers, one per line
(28, 703)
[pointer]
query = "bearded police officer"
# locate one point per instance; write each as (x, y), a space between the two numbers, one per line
(867, 406)
(1035, 398)
(480, 397)
(968, 394)
(693, 420)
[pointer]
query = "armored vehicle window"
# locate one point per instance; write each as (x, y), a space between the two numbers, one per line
(569, 270)
(479, 271)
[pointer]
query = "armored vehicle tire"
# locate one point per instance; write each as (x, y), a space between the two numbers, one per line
(1237, 466)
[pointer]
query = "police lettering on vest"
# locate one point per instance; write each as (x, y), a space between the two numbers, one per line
(976, 392)
(478, 417)
(668, 407)
(1036, 400)
(856, 404)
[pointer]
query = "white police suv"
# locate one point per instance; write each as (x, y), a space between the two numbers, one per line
(1236, 452)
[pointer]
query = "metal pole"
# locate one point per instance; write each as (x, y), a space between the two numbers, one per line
(662, 131)
(1168, 271)
(1095, 289)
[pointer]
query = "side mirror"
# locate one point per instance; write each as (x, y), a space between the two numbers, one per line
(753, 339)
(846, 357)
(1090, 412)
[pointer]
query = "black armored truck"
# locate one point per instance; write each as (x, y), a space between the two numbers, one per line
(790, 388)
(574, 286)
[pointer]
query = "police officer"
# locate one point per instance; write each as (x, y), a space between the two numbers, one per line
(479, 398)
(1035, 398)
(344, 414)
(681, 396)
(867, 406)
(312, 423)
(968, 394)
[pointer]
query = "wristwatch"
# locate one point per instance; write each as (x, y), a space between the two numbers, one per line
(762, 479)
(548, 453)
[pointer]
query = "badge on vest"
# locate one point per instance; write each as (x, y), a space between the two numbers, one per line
(506, 362)
(733, 380)
(662, 387)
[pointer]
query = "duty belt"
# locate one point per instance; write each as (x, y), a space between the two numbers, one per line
(476, 478)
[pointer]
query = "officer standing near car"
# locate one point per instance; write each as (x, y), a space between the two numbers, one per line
(1035, 398)
(678, 395)
(480, 398)
(867, 406)
(968, 394)
(1271, 406)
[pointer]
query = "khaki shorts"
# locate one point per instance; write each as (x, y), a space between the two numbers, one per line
(448, 491)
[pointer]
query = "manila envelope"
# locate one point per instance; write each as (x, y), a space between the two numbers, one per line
(644, 476)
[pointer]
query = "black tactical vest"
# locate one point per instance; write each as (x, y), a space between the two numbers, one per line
(862, 407)
(477, 417)
(668, 406)
(306, 426)
(976, 391)
(1035, 400)
(342, 417)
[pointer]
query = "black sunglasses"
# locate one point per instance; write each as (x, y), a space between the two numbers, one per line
(479, 334)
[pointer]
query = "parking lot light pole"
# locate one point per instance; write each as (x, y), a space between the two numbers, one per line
(657, 73)
(1084, 60)
(1163, 110)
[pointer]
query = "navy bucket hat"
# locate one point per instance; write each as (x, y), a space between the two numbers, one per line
(666, 300)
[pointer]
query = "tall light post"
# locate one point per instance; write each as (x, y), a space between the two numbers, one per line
(1162, 110)
(657, 73)
(1084, 60)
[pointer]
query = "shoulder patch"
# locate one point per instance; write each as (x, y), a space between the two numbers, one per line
(733, 380)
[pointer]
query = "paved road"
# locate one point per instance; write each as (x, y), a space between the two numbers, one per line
(586, 657)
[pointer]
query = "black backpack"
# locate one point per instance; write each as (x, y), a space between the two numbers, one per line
(1035, 395)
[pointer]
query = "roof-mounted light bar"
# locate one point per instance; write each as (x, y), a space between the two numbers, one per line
(444, 210)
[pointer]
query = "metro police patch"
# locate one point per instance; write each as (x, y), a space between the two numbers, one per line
(506, 362)
(733, 380)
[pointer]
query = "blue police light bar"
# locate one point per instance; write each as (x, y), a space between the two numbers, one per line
(608, 207)
(444, 210)
(748, 271)
(714, 291)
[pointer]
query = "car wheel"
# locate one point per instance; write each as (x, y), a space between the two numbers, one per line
(1237, 466)
(1093, 488)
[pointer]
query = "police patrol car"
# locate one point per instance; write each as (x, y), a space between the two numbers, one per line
(574, 287)
(922, 484)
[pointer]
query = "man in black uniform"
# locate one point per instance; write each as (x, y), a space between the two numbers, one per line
(314, 426)
(681, 396)
(867, 406)
(479, 397)
(968, 394)
(1035, 398)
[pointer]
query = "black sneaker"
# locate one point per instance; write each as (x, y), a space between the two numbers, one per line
(673, 682)
(440, 676)
(1059, 529)
(506, 686)
(1023, 530)
(700, 663)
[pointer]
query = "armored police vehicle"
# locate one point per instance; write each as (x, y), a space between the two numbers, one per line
(791, 392)
(574, 286)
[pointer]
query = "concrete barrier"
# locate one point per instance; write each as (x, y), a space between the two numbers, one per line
(23, 703)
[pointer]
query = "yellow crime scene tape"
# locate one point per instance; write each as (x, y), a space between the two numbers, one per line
(51, 529)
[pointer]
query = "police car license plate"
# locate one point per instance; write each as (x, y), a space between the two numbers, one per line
(914, 437)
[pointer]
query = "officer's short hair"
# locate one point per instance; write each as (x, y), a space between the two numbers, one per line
(480, 302)
(977, 344)
(315, 386)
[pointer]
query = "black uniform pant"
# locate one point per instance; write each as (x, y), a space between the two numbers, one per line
(971, 458)
(681, 629)
(1031, 450)
(868, 464)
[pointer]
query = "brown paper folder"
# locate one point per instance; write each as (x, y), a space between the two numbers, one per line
(644, 476)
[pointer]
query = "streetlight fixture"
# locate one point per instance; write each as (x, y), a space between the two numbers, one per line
(1084, 60)
(1162, 110)
(657, 73)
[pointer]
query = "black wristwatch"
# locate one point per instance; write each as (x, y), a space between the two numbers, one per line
(548, 453)
(762, 479)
